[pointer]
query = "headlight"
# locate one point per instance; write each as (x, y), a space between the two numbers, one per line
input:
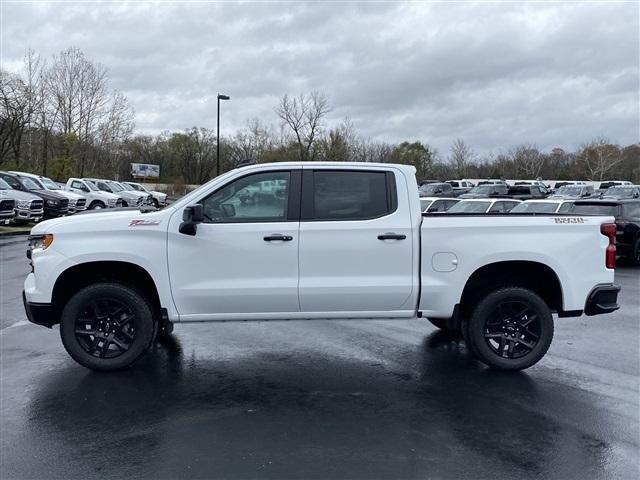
(72, 202)
(111, 201)
(23, 203)
(51, 203)
(40, 241)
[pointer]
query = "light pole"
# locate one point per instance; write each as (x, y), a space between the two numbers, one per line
(220, 97)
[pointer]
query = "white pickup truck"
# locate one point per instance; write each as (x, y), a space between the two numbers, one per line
(316, 241)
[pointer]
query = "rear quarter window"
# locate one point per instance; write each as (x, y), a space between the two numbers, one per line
(631, 210)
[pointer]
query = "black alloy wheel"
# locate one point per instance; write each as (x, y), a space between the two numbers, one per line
(509, 329)
(105, 328)
(513, 329)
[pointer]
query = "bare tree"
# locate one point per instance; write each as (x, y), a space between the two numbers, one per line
(304, 115)
(527, 161)
(598, 157)
(461, 156)
(14, 108)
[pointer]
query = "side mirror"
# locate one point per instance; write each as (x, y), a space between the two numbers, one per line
(228, 209)
(191, 216)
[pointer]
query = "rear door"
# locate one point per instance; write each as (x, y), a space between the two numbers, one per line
(356, 246)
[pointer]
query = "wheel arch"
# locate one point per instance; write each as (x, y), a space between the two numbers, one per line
(88, 273)
(535, 276)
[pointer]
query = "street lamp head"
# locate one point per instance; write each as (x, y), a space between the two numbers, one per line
(223, 97)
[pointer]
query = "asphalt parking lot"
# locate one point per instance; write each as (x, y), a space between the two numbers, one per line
(334, 399)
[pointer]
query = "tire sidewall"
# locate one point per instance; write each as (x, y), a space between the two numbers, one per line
(144, 325)
(474, 329)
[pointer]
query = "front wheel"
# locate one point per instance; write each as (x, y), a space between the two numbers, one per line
(510, 329)
(107, 326)
(634, 258)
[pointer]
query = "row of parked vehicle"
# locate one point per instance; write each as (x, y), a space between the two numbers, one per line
(526, 190)
(25, 197)
(624, 208)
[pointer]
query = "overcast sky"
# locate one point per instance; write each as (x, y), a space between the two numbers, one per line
(497, 74)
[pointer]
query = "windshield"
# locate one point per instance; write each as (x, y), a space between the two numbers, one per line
(620, 191)
(569, 190)
(424, 204)
(4, 185)
(137, 187)
(594, 209)
(31, 184)
(49, 184)
(469, 207)
(126, 186)
(486, 189)
(435, 187)
(537, 207)
(115, 186)
(91, 186)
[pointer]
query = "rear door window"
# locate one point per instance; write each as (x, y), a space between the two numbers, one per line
(347, 195)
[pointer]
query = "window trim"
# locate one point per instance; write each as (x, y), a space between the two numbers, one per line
(293, 199)
(307, 204)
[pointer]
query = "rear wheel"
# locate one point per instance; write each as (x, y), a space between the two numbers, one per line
(510, 329)
(107, 326)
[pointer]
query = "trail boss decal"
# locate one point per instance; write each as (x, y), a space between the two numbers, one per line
(569, 220)
(143, 223)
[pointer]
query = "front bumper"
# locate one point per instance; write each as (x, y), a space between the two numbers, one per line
(26, 214)
(40, 313)
(602, 299)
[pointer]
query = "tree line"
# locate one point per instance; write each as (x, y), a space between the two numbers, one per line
(60, 118)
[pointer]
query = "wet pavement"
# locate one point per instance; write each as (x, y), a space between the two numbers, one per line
(321, 399)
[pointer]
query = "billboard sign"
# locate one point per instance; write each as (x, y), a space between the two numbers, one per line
(145, 170)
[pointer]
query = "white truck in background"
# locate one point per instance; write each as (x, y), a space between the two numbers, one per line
(96, 199)
(316, 241)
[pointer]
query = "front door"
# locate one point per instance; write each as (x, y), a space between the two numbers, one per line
(243, 260)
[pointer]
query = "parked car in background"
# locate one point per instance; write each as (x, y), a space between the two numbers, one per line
(489, 205)
(425, 182)
(622, 191)
(627, 215)
(548, 205)
(526, 192)
(97, 199)
(436, 190)
(486, 190)
(159, 198)
(77, 203)
(28, 207)
(574, 192)
(130, 198)
(460, 186)
(436, 204)
(492, 182)
(55, 205)
(7, 209)
(612, 183)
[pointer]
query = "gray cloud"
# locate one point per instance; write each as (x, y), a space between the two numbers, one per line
(555, 74)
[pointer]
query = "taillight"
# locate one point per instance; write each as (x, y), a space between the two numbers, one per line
(609, 231)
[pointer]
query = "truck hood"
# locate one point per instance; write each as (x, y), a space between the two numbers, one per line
(19, 195)
(103, 220)
(69, 195)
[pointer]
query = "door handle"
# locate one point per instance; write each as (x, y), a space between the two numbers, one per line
(391, 236)
(278, 237)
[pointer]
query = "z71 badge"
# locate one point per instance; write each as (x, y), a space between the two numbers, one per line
(143, 223)
(569, 220)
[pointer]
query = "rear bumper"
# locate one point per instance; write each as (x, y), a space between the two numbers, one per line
(39, 313)
(602, 299)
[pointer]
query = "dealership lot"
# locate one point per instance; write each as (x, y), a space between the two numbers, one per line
(338, 399)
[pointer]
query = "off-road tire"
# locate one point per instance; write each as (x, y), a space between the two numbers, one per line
(141, 319)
